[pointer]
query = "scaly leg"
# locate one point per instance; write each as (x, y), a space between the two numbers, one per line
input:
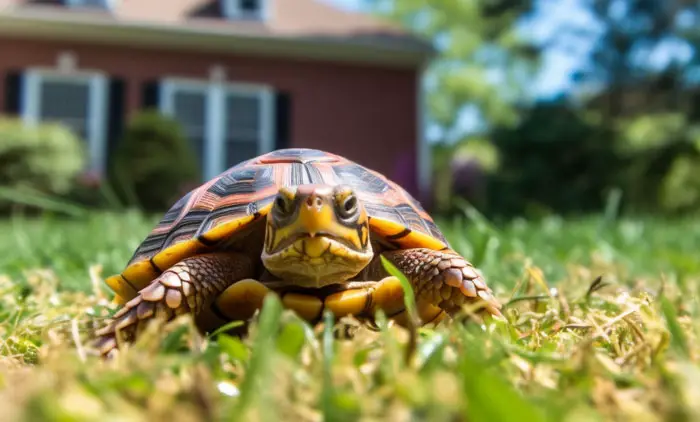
(443, 279)
(185, 287)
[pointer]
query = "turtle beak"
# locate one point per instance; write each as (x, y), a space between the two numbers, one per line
(312, 215)
(316, 214)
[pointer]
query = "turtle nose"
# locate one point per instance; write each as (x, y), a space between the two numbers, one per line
(314, 201)
(315, 215)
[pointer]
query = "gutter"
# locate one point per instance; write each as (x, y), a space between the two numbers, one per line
(387, 50)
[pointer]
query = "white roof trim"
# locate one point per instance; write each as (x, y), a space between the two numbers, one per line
(53, 26)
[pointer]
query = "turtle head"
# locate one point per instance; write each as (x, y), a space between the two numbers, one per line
(316, 235)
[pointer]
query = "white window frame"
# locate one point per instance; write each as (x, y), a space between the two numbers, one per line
(214, 135)
(232, 10)
(98, 99)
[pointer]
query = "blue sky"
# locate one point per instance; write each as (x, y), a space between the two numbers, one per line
(553, 14)
(550, 17)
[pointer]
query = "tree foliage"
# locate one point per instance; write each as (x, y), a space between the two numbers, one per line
(478, 78)
(629, 121)
(482, 61)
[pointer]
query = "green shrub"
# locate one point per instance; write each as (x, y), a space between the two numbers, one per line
(662, 154)
(45, 157)
(556, 160)
(680, 191)
(153, 162)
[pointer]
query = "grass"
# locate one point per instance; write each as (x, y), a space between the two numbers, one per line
(602, 325)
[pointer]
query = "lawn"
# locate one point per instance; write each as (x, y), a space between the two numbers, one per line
(602, 322)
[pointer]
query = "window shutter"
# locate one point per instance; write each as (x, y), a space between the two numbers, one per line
(283, 120)
(13, 93)
(151, 95)
(115, 115)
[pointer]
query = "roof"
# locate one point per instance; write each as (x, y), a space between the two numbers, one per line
(312, 24)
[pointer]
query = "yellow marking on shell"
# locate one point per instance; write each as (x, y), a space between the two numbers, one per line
(240, 300)
(176, 253)
(388, 296)
(415, 239)
(348, 302)
(140, 274)
(121, 288)
(306, 306)
(225, 230)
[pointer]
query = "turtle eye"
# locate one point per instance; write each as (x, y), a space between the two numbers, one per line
(281, 204)
(348, 207)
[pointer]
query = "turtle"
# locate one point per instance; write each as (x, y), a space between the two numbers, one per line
(307, 225)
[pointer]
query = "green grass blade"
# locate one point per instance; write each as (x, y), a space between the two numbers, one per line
(490, 398)
(409, 295)
(327, 395)
(678, 338)
(42, 201)
(260, 363)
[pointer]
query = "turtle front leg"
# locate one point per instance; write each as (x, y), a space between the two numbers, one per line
(443, 279)
(185, 287)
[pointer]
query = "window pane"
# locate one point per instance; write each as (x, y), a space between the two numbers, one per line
(190, 110)
(242, 128)
(66, 102)
(92, 3)
(250, 5)
(239, 152)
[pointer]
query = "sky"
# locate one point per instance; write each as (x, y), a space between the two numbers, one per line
(550, 19)
(558, 66)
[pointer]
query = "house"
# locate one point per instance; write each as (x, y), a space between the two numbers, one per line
(242, 76)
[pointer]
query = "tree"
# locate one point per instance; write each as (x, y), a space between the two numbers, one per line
(649, 102)
(482, 64)
(479, 76)
(633, 46)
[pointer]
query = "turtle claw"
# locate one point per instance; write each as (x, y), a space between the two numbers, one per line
(182, 289)
(444, 279)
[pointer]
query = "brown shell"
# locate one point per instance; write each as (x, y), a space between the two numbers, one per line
(219, 208)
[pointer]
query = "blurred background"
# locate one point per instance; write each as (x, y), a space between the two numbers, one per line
(519, 108)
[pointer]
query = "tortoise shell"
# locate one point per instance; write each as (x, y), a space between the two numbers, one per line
(206, 217)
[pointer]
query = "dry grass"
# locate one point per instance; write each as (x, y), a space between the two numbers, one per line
(576, 347)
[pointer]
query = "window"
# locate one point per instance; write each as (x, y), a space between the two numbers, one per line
(245, 9)
(102, 4)
(226, 124)
(243, 127)
(189, 105)
(76, 100)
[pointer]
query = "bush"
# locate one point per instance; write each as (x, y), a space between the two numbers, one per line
(662, 151)
(680, 189)
(555, 160)
(45, 158)
(154, 162)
